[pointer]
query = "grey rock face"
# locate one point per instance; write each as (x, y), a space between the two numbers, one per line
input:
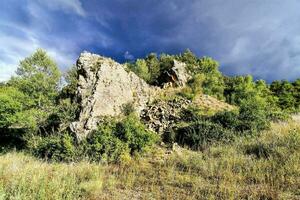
(104, 88)
(176, 76)
(180, 71)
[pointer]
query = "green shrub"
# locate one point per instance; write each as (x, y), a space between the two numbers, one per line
(200, 134)
(103, 145)
(134, 133)
(54, 147)
(252, 116)
(227, 119)
(114, 139)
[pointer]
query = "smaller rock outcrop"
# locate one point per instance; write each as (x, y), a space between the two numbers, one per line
(177, 76)
(161, 115)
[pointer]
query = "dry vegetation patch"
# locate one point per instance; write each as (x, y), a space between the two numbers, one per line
(264, 167)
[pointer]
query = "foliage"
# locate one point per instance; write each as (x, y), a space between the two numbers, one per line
(212, 80)
(238, 88)
(61, 116)
(153, 65)
(200, 134)
(287, 94)
(14, 107)
(225, 171)
(141, 69)
(213, 84)
(199, 131)
(241, 89)
(253, 116)
(194, 87)
(71, 79)
(114, 139)
(250, 118)
(38, 77)
(104, 146)
(53, 147)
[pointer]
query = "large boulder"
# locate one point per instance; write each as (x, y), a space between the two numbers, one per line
(104, 88)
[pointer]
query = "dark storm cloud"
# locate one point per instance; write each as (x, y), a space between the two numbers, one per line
(260, 37)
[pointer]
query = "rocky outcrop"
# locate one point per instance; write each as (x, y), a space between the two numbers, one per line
(162, 114)
(104, 88)
(177, 76)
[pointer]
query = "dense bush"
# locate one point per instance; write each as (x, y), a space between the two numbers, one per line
(227, 119)
(287, 94)
(13, 104)
(114, 139)
(198, 130)
(250, 118)
(253, 116)
(103, 145)
(199, 135)
(54, 147)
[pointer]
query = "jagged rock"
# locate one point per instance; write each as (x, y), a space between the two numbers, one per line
(162, 115)
(104, 88)
(176, 76)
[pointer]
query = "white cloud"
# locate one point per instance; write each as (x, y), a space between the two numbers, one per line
(65, 5)
(17, 48)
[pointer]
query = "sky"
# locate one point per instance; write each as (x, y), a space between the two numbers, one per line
(257, 37)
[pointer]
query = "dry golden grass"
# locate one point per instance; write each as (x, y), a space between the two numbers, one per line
(263, 167)
(211, 103)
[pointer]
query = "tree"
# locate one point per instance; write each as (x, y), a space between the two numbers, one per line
(153, 67)
(284, 90)
(189, 58)
(140, 68)
(239, 88)
(14, 107)
(213, 84)
(296, 93)
(38, 77)
(71, 78)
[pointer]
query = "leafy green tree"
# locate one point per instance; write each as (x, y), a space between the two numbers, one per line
(71, 78)
(38, 77)
(14, 107)
(153, 67)
(213, 84)
(239, 88)
(253, 115)
(284, 90)
(141, 69)
(296, 93)
(190, 59)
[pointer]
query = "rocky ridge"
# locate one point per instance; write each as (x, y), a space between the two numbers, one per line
(107, 88)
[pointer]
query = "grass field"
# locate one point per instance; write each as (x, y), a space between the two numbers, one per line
(262, 167)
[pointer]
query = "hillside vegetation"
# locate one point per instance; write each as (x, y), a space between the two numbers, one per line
(264, 167)
(234, 137)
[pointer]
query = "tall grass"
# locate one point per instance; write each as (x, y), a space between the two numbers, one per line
(263, 167)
